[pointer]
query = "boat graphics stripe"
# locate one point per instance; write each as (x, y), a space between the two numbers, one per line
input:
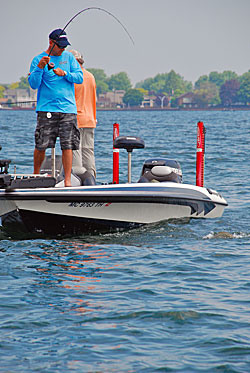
(149, 195)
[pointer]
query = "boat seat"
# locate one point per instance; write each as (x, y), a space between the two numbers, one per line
(80, 176)
(129, 143)
(85, 179)
(85, 176)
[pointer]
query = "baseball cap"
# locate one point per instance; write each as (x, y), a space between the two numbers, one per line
(59, 36)
(77, 55)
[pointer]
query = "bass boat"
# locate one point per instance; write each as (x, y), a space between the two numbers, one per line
(41, 204)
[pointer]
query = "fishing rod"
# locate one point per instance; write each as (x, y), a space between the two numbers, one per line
(85, 10)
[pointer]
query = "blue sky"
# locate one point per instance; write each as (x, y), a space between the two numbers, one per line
(193, 37)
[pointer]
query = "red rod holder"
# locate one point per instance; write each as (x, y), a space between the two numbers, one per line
(200, 154)
(115, 155)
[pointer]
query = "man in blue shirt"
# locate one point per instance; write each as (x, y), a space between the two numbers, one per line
(54, 73)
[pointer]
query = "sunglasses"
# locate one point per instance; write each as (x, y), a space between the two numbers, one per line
(59, 46)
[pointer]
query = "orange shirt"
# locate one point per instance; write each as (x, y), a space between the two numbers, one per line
(85, 95)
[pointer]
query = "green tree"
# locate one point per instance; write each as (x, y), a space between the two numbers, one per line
(133, 97)
(244, 90)
(24, 84)
(202, 79)
(14, 85)
(2, 89)
(100, 79)
(99, 74)
(119, 81)
(207, 94)
(229, 75)
(143, 91)
(216, 78)
(146, 84)
(158, 86)
(175, 82)
(169, 84)
(101, 87)
(221, 78)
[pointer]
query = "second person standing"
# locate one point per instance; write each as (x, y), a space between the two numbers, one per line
(85, 95)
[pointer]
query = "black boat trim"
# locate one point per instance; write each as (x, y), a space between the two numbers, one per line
(108, 198)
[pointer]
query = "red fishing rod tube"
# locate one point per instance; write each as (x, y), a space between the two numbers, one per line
(115, 155)
(200, 154)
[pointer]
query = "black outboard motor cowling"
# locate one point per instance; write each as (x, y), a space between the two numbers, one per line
(160, 170)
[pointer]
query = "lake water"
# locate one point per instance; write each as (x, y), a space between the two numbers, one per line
(166, 298)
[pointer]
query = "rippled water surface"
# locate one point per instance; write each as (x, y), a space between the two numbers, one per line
(172, 297)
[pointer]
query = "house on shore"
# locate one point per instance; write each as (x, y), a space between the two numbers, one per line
(23, 98)
(112, 99)
(187, 100)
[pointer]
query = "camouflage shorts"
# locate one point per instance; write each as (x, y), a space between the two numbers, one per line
(53, 125)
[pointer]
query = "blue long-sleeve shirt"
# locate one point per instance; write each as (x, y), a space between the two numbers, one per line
(56, 93)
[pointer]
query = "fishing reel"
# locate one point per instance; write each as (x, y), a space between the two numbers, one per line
(51, 65)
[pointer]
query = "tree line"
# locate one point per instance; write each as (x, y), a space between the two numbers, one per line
(216, 89)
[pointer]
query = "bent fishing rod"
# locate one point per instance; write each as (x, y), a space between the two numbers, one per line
(51, 65)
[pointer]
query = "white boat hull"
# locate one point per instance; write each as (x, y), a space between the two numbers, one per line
(107, 207)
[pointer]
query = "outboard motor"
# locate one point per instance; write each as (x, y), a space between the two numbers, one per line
(161, 169)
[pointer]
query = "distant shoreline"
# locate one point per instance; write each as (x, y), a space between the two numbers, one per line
(176, 109)
(244, 108)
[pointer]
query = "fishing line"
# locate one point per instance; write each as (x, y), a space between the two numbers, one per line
(94, 8)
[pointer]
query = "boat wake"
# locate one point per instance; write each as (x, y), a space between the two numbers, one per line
(226, 235)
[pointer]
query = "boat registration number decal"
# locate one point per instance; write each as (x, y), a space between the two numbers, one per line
(88, 204)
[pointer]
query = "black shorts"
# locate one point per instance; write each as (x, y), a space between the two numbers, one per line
(53, 125)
